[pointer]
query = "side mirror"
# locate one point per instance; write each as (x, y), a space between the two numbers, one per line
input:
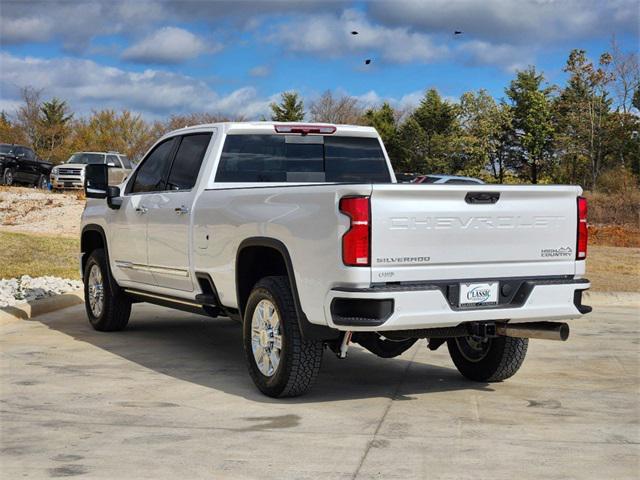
(96, 181)
(114, 200)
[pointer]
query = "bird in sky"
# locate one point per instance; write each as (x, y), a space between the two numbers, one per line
(354, 33)
(367, 61)
(457, 32)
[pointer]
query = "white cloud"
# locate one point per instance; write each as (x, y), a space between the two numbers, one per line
(512, 21)
(330, 36)
(260, 71)
(406, 102)
(87, 85)
(77, 23)
(168, 45)
(510, 57)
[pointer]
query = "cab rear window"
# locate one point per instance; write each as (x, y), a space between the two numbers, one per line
(295, 158)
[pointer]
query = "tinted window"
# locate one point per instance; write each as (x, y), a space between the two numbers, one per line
(186, 165)
(29, 154)
(354, 159)
(429, 179)
(150, 177)
(113, 159)
(125, 161)
(6, 148)
(86, 158)
(312, 158)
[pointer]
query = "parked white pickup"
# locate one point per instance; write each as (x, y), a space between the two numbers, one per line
(302, 233)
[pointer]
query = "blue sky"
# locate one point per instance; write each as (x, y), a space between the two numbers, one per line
(163, 57)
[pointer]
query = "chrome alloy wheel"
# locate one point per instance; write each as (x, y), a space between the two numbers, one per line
(96, 291)
(473, 349)
(266, 337)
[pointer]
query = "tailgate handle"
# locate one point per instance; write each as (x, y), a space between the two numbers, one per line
(482, 197)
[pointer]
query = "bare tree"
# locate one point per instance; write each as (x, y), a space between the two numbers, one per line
(330, 109)
(28, 115)
(626, 72)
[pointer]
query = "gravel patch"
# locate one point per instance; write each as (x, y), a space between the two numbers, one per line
(26, 289)
(37, 211)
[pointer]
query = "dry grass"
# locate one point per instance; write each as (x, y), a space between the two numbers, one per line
(614, 269)
(38, 255)
(614, 235)
(614, 208)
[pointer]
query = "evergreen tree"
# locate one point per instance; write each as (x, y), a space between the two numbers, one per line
(54, 126)
(532, 124)
(439, 139)
(290, 108)
(383, 119)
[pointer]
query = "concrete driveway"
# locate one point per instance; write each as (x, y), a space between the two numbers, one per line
(170, 398)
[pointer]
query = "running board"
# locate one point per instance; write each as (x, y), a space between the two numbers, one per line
(172, 302)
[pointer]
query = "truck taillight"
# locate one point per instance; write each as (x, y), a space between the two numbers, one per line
(583, 234)
(355, 243)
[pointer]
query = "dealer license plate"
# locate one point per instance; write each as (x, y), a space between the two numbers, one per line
(478, 294)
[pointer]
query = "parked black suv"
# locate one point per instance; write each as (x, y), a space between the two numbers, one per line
(20, 164)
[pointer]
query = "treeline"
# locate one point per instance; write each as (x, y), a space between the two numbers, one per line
(584, 132)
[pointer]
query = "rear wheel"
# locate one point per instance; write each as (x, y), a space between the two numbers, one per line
(108, 308)
(8, 177)
(281, 362)
(487, 359)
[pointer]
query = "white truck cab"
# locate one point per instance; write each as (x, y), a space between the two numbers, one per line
(302, 234)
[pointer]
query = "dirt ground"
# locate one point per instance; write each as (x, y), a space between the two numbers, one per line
(27, 210)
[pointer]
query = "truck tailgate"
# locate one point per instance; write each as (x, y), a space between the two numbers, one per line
(443, 232)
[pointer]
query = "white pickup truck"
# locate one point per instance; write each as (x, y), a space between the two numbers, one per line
(302, 234)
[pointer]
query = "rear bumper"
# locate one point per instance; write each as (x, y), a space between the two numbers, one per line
(408, 307)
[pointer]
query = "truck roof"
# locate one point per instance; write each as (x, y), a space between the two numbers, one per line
(269, 127)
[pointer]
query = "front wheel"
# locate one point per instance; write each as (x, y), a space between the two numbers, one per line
(281, 362)
(487, 359)
(43, 183)
(8, 177)
(108, 308)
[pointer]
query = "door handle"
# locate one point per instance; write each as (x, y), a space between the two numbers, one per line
(141, 210)
(181, 210)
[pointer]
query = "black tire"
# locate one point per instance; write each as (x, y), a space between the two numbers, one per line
(498, 359)
(300, 358)
(8, 177)
(383, 347)
(43, 183)
(116, 306)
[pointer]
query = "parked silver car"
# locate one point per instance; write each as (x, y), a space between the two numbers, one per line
(71, 174)
(450, 179)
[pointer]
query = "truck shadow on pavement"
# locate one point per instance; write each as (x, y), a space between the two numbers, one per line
(209, 352)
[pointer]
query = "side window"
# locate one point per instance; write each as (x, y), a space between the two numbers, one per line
(125, 161)
(113, 159)
(29, 154)
(19, 151)
(150, 177)
(186, 164)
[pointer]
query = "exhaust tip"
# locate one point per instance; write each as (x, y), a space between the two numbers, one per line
(564, 332)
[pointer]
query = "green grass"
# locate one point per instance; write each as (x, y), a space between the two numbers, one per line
(37, 255)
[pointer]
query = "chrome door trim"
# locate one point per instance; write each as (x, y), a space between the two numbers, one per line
(178, 272)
